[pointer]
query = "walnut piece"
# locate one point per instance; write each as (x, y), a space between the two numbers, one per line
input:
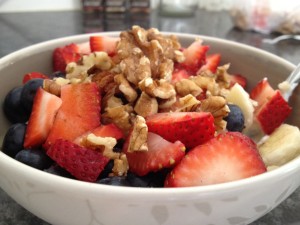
(121, 166)
(187, 86)
(138, 136)
(146, 105)
(124, 86)
(217, 106)
(157, 88)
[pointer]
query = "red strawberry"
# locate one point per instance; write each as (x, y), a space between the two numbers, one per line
(109, 130)
(83, 163)
(103, 43)
(229, 156)
(33, 75)
(45, 107)
(238, 78)
(161, 154)
(179, 74)
(191, 128)
(272, 109)
(212, 62)
(79, 113)
(64, 55)
(195, 56)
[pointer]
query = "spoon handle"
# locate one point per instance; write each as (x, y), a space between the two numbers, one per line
(293, 80)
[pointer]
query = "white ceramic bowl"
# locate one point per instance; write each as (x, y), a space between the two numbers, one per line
(60, 201)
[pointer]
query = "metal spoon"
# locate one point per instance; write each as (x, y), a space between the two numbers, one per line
(293, 81)
(281, 38)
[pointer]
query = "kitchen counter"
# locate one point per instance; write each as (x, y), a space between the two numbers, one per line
(19, 30)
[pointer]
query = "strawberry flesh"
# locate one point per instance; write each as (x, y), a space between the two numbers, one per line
(212, 63)
(83, 163)
(79, 113)
(228, 157)
(161, 154)
(272, 109)
(237, 78)
(33, 75)
(179, 74)
(45, 107)
(104, 44)
(191, 128)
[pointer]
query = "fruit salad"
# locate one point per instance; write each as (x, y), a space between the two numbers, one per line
(142, 110)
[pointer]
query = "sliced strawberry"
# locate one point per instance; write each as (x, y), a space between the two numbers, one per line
(228, 157)
(109, 130)
(195, 56)
(161, 154)
(179, 74)
(33, 75)
(238, 78)
(45, 107)
(64, 55)
(272, 109)
(212, 63)
(79, 113)
(103, 43)
(191, 128)
(83, 163)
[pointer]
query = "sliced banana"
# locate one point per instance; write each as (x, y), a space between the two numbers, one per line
(282, 146)
(238, 96)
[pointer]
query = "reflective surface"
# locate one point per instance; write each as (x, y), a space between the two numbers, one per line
(23, 29)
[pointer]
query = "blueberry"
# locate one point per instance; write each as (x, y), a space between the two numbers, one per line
(235, 119)
(57, 74)
(114, 181)
(107, 170)
(59, 171)
(29, 91)
(137, 181)
(13, 109)
(14, 139)
(36, 158)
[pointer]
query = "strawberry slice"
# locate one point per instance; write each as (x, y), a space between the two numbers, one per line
(237, 78)
(79, 113)
(161, 154)
(195, 56)
(45, 107)
(179, 74)
(33, 75)
(272, 109)
(212, 63)
(66, 54)
(228, 157)
(83, 163)
(191, 128)
(104, 44)
(109, 130)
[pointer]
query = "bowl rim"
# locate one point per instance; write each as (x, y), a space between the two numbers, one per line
(19, 167)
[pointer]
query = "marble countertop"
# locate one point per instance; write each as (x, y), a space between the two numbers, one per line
(19, 30)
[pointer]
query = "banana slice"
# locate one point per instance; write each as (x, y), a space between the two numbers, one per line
(282, 146)
(238, 96)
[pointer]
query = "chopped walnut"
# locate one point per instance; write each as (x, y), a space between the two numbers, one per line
(105, 81)
(187, 103)
(146, 105)
(187, 86)
(125, 87)
(207, 83)
(138, 136)
(217, 106)
(165, 104)
(121, 116)
(157, 88)
(121, 166)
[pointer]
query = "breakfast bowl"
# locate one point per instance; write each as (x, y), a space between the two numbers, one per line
(60, 200)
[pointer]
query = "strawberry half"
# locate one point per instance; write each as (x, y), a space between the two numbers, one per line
(45, 107)
(83, 163)
(161, 154)
(237, 78)
(66, 54)
(191, 128)
(228, 157)
(212, 63)
(79, 113)
(179, 74)
(104, 44)
(33, 75)
(272, 109)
